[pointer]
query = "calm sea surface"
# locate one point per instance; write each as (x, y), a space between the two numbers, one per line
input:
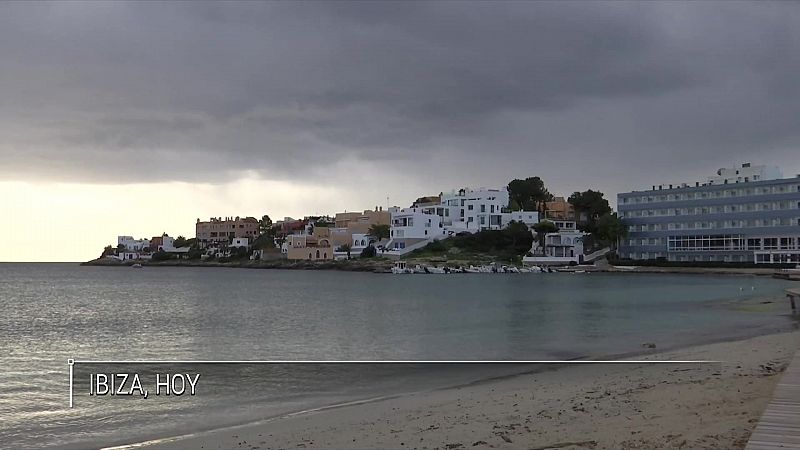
(52, 312)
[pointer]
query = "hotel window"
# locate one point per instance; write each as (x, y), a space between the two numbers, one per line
(469, 207)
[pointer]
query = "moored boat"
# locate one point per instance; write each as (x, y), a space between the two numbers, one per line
(401, 267)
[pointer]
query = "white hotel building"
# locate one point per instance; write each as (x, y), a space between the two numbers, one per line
(744, 214)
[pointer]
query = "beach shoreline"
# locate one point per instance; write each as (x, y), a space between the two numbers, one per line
(384, 265)
(641, 406)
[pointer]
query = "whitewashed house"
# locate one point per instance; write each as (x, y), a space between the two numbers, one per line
(529, 218)
(240, 242)
(473, 210)
(132, 244)
(562, 248)
(412, 228)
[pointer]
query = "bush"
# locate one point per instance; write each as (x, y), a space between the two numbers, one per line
(161, 256)
(369, 252)
(239, 252)
(436, 247)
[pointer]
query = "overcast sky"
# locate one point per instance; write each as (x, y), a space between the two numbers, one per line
(319, 107)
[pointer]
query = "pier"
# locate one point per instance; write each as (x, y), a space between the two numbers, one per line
(779, 426)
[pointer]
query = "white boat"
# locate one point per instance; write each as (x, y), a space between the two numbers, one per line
(434, 270)
(136, 266)
(401, 267)
(418, 269)
(472, 269)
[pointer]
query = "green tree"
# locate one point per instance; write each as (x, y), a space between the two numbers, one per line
(529, 194)
(108, 251)
(345, 248)
(589, 206)
(379, 231)
(517, 231)
(610, 229)
(180, 241)
(265, 225)
(541, 229)
(264, 241)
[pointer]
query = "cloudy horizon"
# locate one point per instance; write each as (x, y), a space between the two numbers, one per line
(138, 118)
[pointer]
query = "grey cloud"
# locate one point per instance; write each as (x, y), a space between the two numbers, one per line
(517, 88)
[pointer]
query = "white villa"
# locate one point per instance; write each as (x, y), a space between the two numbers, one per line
(561, 248)
(132, 244)
(412, 228)
(465, 210)
(474, 210)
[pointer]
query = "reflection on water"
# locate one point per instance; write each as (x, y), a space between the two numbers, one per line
(52, 312)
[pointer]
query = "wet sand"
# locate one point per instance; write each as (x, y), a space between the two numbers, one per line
(641, 406)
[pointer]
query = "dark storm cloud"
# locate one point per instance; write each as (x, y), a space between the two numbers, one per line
(175, 91)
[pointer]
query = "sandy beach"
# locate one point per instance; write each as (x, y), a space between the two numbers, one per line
(708, 406)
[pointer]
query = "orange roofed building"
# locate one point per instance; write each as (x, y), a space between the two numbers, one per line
(559, 209)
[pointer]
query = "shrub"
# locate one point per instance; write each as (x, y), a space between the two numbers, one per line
(369, 252)
(161, 256)
(436, 247)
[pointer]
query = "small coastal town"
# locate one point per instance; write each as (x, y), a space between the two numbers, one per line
(743, 215)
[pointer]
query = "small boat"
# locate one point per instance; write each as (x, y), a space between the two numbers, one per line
(401, 267)
(136, 266)
(472, 269)
(434, 269)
